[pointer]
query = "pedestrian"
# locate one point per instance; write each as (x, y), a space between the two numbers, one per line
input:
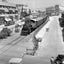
(52, 60)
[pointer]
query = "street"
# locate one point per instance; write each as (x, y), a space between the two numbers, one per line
(51, 45)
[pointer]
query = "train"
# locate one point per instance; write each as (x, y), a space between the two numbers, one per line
(31, 24)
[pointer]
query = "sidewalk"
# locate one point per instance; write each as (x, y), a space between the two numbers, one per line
(51, 44)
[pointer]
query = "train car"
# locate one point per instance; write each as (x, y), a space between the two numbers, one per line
(31, 24)
(38, 21)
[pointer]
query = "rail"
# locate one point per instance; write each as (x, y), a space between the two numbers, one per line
(11, 44)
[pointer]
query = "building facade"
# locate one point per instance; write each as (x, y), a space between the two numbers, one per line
(8, 10)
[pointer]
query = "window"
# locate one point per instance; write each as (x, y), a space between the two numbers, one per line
(16, 11)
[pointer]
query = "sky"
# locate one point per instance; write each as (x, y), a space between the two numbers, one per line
(36, 4)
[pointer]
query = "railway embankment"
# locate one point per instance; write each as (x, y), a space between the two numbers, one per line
(9, 39)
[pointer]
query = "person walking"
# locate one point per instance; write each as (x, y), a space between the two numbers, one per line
(52, 60)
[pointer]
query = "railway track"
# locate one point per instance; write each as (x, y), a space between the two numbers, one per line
(16, 40)
(11, 44)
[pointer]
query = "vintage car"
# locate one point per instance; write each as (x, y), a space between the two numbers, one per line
(59, 59)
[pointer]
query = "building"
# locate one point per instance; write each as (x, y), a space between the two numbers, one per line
(53, 10)
(50, 10)
(23, 9)
(57, 10)
(8, 10)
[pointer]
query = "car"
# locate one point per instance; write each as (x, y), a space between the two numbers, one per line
(5, 33)
(59, 59)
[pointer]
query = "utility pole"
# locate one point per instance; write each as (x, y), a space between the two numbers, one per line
(20, 8)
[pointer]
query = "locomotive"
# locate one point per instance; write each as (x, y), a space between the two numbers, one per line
(61, 23)
(31, 24)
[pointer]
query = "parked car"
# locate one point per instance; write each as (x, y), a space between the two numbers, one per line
(5, 33)
(59, 59)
